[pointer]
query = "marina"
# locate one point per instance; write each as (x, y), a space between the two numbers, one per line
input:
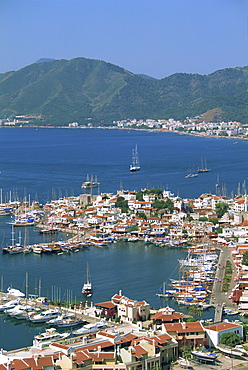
(61, 276)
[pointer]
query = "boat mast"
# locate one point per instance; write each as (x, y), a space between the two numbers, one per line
(26, 292)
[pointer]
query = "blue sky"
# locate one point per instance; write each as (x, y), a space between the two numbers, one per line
(153, 37)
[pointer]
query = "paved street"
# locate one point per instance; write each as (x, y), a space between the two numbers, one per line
(218, 297)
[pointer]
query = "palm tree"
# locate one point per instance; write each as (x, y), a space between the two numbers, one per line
(186, 352)
(195, 311)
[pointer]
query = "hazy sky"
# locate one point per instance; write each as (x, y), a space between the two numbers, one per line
(153, 37)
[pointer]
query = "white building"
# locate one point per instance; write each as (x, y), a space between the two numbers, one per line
(215, 331)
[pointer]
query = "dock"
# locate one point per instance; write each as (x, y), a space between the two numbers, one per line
(218, 312)
(219, 298)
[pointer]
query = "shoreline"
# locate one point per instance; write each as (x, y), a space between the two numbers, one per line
(202, 135)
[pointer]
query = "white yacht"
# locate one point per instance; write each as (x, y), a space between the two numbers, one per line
(15, 292)
(44, 316)
(49, 336)
(90, 328)
(9, 304)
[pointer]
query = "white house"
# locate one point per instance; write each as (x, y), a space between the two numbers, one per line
(215, 331)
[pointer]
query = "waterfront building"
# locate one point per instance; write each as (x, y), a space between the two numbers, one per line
(190, 334)
(130, 351)
(215, 331)
(129, 310)
(167, 315)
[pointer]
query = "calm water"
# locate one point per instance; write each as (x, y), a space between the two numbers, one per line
(43, 163)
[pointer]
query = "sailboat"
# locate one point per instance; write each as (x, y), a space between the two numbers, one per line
(91, 182)
(204, 167)
(135, 166)
(191, 173)
(87, 287)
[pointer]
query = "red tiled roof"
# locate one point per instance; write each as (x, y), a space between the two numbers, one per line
(93, 347)
(33, 363)
(223, 326)
(80, 357)
(100, 356)
(107, 304)
(190, 327)
(138, 351)
(167, 317)
(128, 338)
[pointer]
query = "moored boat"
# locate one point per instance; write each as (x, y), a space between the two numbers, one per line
(43, 316)
(37, 249)
(9, 304)
(90, 328)
(49, 336)
(69, 323)
(15, 292)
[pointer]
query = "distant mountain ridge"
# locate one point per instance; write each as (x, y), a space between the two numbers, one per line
(82, 89)
(44, 60)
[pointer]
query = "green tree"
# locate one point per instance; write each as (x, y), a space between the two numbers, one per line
(142, 215)
(154, 191)
(218, 230)
(159, 204)
(122, 204)
(214, 221)
(134, 228)
(195, 311)
(139, 195)
(169, 205)
(245, 258)
(203, 219)
(230, 339)
(221, 209)
(245, 330)
(186, 352)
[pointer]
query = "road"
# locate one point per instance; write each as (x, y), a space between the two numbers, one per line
(218, 297)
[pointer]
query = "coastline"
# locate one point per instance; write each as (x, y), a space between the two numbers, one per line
(200, 134)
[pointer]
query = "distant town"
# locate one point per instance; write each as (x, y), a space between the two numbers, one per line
(194, 126)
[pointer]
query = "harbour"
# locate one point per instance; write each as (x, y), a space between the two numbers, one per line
(62, 276)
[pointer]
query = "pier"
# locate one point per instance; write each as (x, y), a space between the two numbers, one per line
(218, 297)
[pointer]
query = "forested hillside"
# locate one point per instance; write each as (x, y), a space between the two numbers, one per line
(63, 91)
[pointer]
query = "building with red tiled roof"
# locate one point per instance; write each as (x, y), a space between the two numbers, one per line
(129, 310)
(127, 352)
(164, 316)
(215, 331)
(190, 334)
(32, 363)
(107, 308)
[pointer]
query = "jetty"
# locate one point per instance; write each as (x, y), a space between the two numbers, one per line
(219, 299)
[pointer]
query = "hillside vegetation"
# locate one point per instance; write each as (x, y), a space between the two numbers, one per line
(87, 90)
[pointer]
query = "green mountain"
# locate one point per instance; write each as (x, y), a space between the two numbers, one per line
(63, 91)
